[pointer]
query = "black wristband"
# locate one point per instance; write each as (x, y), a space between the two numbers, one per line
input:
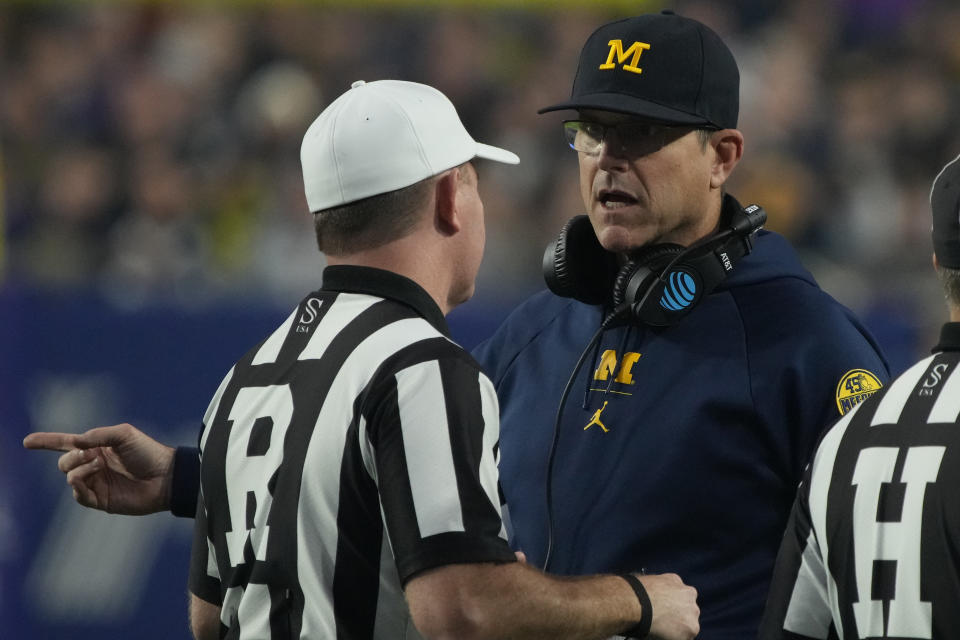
(185, 482)
(642, 628)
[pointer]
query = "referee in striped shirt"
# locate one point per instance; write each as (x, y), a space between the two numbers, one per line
(349, 483)
(872, 549)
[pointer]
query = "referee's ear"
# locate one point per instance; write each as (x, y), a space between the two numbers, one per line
(446, 215)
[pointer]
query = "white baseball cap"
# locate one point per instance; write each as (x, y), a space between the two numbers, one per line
(382, 136)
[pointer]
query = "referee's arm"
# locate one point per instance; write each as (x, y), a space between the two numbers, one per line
(204, 619)
(472, 601)
(798, 606)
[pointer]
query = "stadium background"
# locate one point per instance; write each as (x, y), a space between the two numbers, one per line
(154, 226)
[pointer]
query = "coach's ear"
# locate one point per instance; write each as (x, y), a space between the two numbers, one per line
(728, 149)
(446, 216)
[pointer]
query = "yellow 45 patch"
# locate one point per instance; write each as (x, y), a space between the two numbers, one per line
(854, 387)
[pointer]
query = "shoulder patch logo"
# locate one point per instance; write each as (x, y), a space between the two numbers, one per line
(311, 311)
(854, 387)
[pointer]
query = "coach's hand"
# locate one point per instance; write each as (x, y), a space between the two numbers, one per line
(674, 605)
(116, 469)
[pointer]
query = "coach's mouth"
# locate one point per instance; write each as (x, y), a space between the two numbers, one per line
(615, 199)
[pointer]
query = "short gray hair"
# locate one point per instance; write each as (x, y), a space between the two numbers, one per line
(950, 281)
(703, 135)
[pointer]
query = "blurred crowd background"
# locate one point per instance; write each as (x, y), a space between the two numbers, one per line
(151, 151)
(153, 224)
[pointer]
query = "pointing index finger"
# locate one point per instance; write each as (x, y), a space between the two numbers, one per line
(50, 441)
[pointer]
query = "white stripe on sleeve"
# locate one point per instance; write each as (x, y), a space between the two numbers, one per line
(489, 476)
(426, 443)
(809, 611)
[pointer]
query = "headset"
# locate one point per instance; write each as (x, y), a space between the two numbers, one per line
(657, 287)
(660, 284)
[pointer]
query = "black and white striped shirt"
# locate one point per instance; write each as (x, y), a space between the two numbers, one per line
(872, 549)
(353, 448)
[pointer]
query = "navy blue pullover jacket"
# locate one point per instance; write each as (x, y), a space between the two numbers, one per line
(690, 461)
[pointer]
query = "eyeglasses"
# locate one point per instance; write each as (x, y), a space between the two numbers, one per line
(634, 138)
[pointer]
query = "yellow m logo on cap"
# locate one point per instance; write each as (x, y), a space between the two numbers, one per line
(616, 51)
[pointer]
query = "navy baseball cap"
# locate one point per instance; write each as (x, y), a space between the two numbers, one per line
(945, 205)
(659, 66)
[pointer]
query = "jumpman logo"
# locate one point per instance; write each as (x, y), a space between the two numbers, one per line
(596, 419)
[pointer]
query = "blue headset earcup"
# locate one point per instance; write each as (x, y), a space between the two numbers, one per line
(642, 272)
